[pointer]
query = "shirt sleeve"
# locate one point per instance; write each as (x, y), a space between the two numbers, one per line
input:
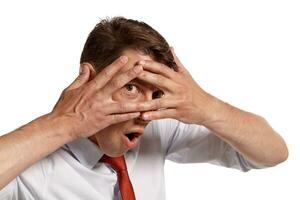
(27, 186)
(9, 192)
(191, 143)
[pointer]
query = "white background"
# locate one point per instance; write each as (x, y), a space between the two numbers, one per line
(246, 53)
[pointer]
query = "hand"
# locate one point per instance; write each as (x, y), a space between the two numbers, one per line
(87, 106)
(183, 98)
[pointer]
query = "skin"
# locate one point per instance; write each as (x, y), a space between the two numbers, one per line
(186, 101)
(84, 108)
(111, 139)
(93, 107)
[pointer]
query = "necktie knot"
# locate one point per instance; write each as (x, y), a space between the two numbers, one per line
(118, 163)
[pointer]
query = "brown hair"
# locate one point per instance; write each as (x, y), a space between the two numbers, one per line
(111, 36)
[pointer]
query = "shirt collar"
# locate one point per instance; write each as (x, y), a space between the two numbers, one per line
(85, 151)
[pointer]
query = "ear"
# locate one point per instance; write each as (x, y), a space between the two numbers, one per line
(91, 69)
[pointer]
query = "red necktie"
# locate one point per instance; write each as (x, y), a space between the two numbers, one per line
(119, 164)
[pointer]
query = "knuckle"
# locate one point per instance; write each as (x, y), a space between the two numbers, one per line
(98, 96)
(77, 109)
(161, 66)
(95, 95)
(93, 105)
(181, 103)
(87, 94)
(131, 73)
(106, 73)
(112, 119)
(145, 106)
(159, 80)
(64, 92)
(99, 117)
(123, 107)
(115, 83)
(98, 106)
(92, 84)
(84, 89)
(157, 103)
(63, 95)
(115, 119)
(184, 96)
(179, 89)
(143, 74)
(183, 99)
(141, 106)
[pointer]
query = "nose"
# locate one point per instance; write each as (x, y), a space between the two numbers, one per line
(149, 96)
(140, 121)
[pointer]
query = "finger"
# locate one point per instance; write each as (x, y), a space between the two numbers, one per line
(159, 114)
(157, 80)
(158, 68)
(181, 68)
(108, 72)
(123, 107)
(81, 79)
(117, 118)
(122, 79)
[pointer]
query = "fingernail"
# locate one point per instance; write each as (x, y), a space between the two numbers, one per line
(124, 59)
(145, 116)
(142, 62)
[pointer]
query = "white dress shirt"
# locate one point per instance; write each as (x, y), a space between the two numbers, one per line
(74, 172)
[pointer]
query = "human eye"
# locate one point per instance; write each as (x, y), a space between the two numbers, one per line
(157, 94)
(131, 90)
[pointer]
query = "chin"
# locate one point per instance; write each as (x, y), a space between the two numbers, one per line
(115, 152)
(121, 144)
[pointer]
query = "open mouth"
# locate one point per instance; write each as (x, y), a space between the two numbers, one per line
(133, 135)
(131, 139)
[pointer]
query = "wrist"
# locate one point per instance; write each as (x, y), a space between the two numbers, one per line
(54, 125)
(217, 112)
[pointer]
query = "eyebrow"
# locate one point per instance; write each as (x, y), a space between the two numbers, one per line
(141, 82)
(144, 84)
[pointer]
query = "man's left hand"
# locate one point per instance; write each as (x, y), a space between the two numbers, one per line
(183, 98)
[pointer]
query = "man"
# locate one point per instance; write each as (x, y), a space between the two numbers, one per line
(104, 118)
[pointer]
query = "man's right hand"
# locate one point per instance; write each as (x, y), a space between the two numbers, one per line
(86, 107)
(83, 109)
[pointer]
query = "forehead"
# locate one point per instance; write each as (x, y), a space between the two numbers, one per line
(133, 58)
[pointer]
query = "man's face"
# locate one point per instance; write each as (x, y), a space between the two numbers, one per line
(113, 140)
